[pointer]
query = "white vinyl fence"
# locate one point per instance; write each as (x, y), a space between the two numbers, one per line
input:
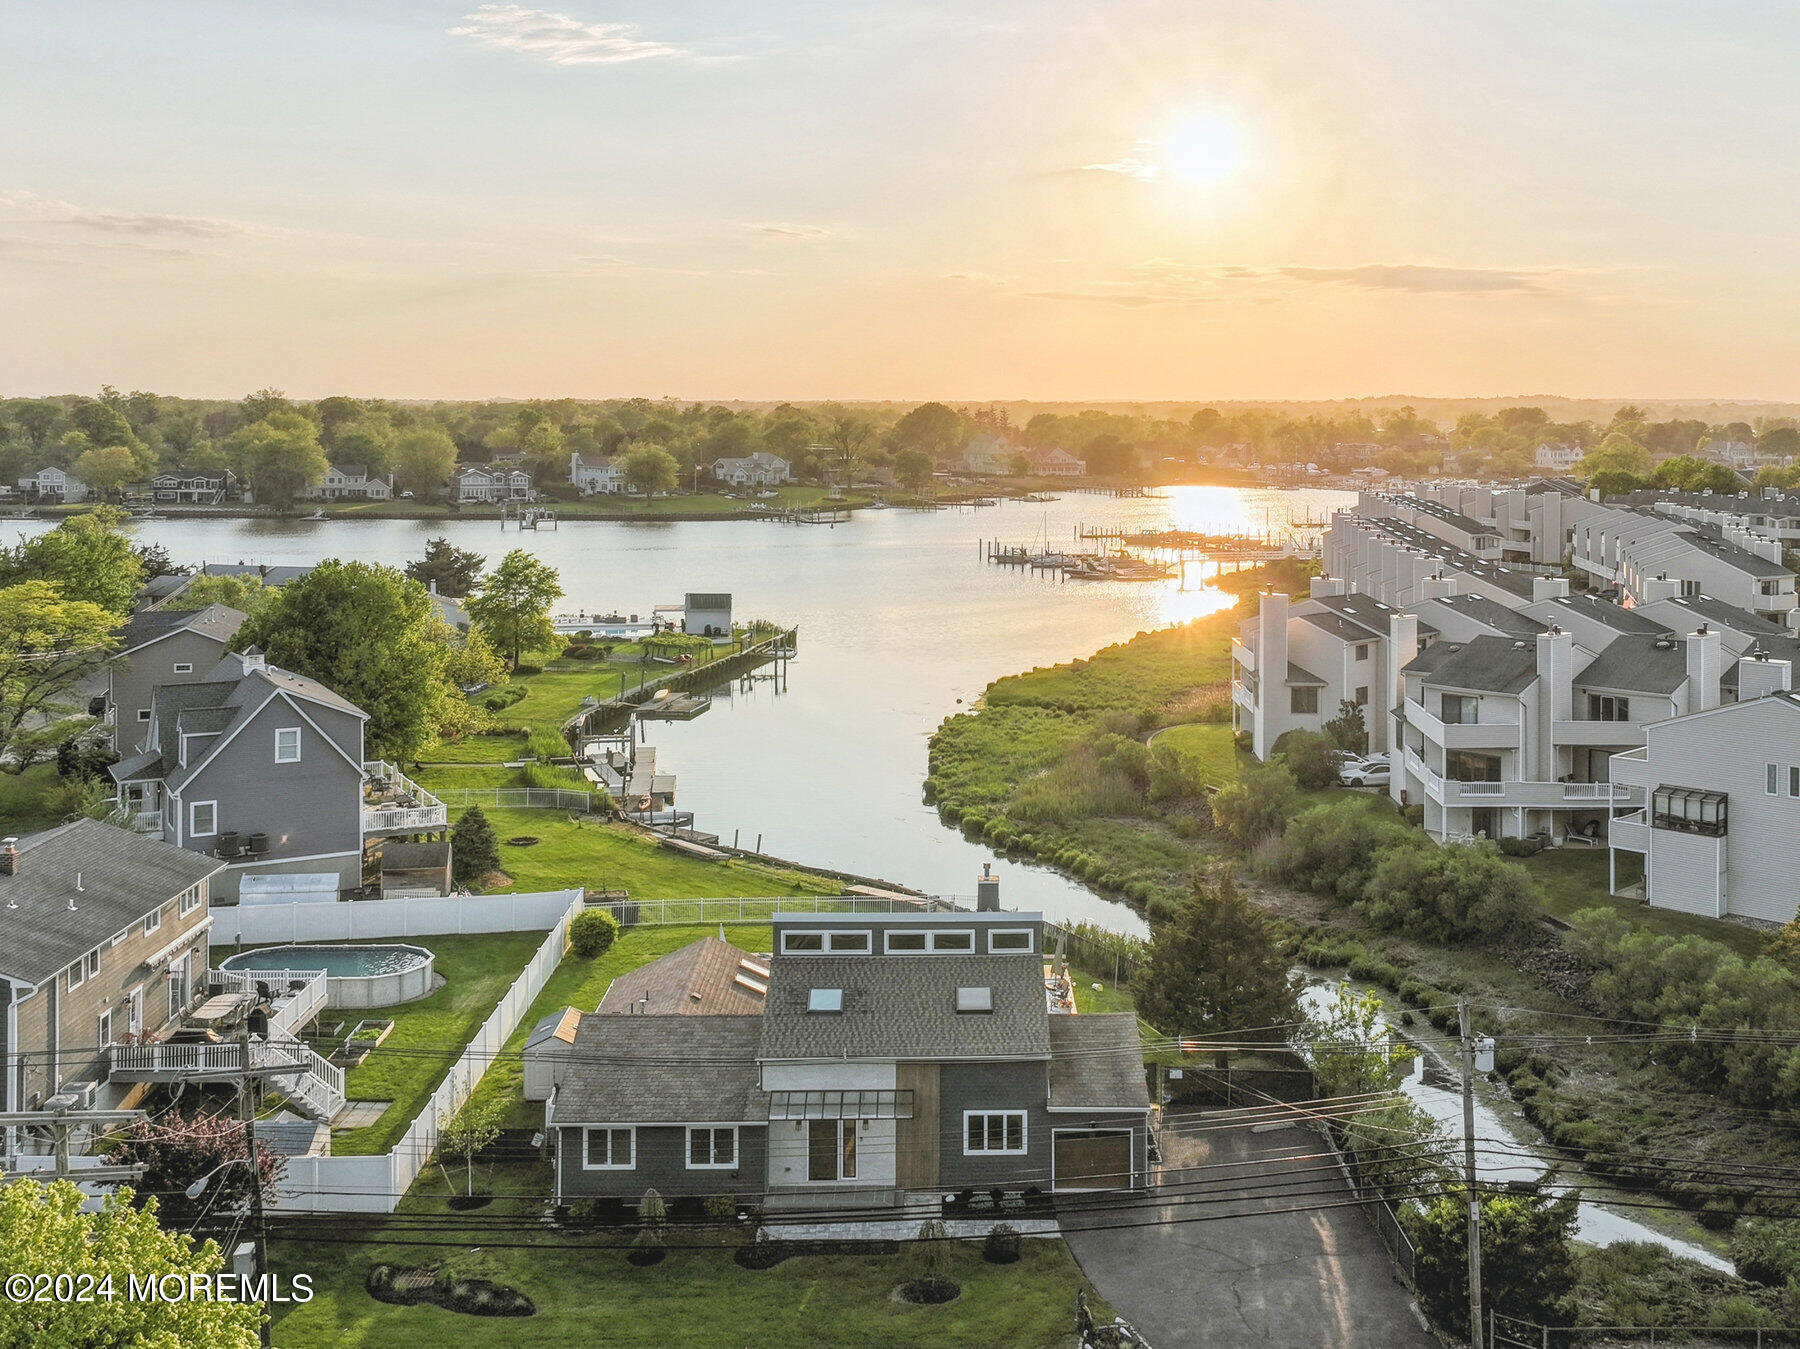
(522, 798)
(375, 1184)
(676, 912)
(260, 924)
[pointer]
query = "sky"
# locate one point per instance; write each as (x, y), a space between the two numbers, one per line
(901, 199)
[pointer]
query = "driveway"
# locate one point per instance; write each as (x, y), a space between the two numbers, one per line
(1235, 1272)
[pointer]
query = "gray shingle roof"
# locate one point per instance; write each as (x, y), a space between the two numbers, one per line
(1491, 613)
(1638, 663)
(904, 1007)
(1713, 541)
(1614, 616)
(124, 875)
(662, 1070)
(1097, 1062)
(216, 620)
(1486, 664)
(1299, 675)
(1709, 609)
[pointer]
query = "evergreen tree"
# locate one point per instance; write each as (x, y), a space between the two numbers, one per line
(474, 850)
(454, 569)
(1215, 965)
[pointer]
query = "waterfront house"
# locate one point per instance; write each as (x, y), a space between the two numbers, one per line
(105, 942)
(163, 646)
(494, 483)
(760, 469)
(707, 614)
(1054, 463)
(54, 487)
(190, 487)
(350, 482)
(1718, 803)
(597, 477)
(893, 1058)
(264, 769)
(989, 455)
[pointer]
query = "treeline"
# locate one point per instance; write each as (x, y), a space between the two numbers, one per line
(1625, 453)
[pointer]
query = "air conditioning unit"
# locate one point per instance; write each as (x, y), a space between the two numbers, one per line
(74, 1096)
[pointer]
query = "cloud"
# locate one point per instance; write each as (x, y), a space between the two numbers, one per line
(28, 208)
(1128, 166)
(1429, 280)
(559, 39)
(780, 230)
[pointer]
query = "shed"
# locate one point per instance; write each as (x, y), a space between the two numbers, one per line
(414, 869)
(289, 887)
(549, 1039)
(707, 614)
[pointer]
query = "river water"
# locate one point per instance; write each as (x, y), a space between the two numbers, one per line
(902, 623)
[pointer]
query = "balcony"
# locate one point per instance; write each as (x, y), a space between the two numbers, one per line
(394, 804)
(1630, 831)
(1552, 795)
(174, 1062)
(1462, 735)
(1242, 696)
(1598, 733)
(1243, 654)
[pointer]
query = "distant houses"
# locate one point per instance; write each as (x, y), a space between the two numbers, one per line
(596, 477)
(351, 482)
(760, 469)
(54, 487)
(1054, 463)
(184, 487)
(491, 483)
(989, 455)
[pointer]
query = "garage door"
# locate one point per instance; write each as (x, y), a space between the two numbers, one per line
(1092, 1159)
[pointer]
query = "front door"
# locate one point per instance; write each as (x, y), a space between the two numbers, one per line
(831, 1149)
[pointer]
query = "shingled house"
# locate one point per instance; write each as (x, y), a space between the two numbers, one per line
(870, 1059)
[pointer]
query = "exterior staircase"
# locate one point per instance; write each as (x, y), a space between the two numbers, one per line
(316, 1088)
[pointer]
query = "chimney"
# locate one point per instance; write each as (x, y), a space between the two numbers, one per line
(1654, 588)
(1759, 676)
(1321, 586)
(1556, 674)
(1549, 588)
(1703, 658)
(9, 856)
(987, 889)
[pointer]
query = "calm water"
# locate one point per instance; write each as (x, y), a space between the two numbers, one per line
(337, 961)
(901, 624)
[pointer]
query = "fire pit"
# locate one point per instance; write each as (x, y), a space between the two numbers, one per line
(521, 841)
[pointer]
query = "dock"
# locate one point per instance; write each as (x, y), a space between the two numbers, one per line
(595, 720)
(669, 705)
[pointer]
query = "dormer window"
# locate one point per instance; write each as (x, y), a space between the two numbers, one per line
(825, 1000)
(975, 999)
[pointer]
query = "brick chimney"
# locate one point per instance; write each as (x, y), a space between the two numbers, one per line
(9, 857)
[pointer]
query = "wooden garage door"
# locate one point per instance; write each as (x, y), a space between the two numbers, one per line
(1093, 1159)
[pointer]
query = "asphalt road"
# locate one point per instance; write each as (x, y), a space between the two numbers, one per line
(1240, 1273)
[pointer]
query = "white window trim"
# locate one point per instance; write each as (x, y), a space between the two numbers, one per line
(143, 714)
(105, 1027)
(1025, 932)
(182, 667)
(281, 731)
(586, 1135)
(76, 974)
(1024, 1133)
(190, 900)
(1772, 779)
(828, 942)
(931, 936)
(715, 1129)
(153, 920)
(194, 829)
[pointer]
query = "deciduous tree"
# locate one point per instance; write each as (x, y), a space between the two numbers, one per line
(278, 456)
(513, 602)
(650, 469)
(48, 645)
(88, 556)
(423, 457)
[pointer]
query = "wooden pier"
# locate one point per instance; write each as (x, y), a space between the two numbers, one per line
(595, 720)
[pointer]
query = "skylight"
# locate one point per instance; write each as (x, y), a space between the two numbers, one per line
(825, 1000)
(974, 999)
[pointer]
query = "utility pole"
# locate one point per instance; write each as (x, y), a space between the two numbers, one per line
(247, 1112)
(1468, 1103)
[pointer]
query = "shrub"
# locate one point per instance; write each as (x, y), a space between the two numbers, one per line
(1334, 848)
(474, 850)
(592, 933)
(721, 1207)
(1311, 759)
(1518, 847)
(544, 743)
(523, 670)
(1002, 1246)
(1766, 1251)
(1449, 894)
(1257, 804)
(646, 1247)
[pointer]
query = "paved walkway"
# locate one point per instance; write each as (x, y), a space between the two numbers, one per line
(1206, 1261)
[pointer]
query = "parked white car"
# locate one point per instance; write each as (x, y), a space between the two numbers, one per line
(1364, 773)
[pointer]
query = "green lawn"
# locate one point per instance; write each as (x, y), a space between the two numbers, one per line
(699, 1297)
(1569, 880)
(572, 851)
(1209, 746)
(429, 1034)
(21, 799)
(581, 984)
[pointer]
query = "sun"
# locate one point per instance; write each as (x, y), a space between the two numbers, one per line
(1203, 148)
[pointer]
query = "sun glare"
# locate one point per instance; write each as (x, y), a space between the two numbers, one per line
(1203, 148)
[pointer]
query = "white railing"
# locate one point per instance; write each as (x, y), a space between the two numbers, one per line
(147, 821)
(680, 912)
(523, 798)
(316, 1083)
(428, 813)
(375, 1184)
(293, 1006)
(127, 1061)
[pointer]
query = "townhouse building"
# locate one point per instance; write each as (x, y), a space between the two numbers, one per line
(871, 1060)
(1649, 556)
(1719, 803)
(105, 944)
(1401, 564)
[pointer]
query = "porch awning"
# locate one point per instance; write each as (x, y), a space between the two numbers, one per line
(841, 1105)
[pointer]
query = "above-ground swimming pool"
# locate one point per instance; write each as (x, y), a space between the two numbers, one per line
(355, 976)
